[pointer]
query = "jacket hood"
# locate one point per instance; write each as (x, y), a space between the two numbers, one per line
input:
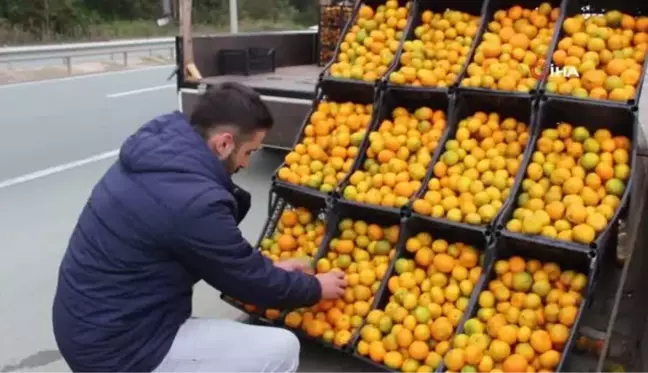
(168, 143)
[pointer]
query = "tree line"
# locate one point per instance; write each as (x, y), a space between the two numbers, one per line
(46, 19)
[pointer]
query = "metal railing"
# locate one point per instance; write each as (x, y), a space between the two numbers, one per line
(66, 52)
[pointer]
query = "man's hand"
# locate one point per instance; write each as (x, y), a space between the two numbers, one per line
(332, 284)
(296, 264)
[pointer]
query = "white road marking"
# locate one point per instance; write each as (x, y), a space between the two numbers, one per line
(57, 169)
(84, 76)
(143, 90)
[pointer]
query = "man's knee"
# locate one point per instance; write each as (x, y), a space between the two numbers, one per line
(285, 354)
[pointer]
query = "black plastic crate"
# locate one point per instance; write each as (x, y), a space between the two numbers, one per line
(492, 7)
(475, 8)
(391, 99)
(328, 93)
(522, 109)
(598, 7)
(248, 61)
(574, 261)
(265, 316)
(374, 4)
(281, 202)
(451, 236)
(620, 121)
(338, 213)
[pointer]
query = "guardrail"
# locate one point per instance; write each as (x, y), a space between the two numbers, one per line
(66, 52)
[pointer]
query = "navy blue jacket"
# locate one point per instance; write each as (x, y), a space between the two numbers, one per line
(162, 218)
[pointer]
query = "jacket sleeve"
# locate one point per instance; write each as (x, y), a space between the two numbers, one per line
(211, 245)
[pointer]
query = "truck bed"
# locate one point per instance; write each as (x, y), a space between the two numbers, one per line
(290, 82)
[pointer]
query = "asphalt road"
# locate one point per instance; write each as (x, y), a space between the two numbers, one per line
(58, 137)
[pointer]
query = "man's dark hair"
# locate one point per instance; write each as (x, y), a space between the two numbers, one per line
(230, 104)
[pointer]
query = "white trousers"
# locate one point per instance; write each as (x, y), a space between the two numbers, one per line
(214, 345)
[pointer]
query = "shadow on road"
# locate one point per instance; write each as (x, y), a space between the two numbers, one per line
(36, 360)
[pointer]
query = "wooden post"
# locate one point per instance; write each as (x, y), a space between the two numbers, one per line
(187, 41)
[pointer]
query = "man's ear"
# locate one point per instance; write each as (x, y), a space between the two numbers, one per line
(222, 144)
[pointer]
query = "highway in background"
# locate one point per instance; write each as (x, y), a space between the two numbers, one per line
(58, 138)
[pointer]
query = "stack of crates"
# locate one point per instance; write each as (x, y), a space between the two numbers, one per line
(333, 16)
